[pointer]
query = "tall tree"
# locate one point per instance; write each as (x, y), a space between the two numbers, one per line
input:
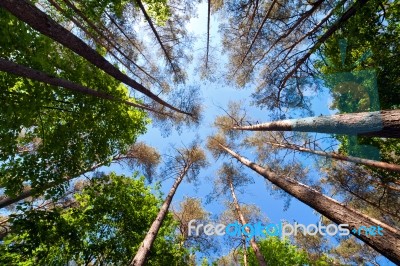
(48, 133)
(47, 26)
(104, 226)
(367, 162)
(388, 246)
(384, 124)
(229, 175)
(187, 162)
(138, 156)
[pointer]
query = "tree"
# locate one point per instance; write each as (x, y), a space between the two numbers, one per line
(44, 24)
(48, 133)
(187, 162)
(228, 175)
(373, 124)
(139, 155)
(104, 226)
(192, 209)
(330, 208)
(279, 252)
(367, 162)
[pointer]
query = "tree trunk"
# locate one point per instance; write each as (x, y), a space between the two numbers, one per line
(33, 74)
(367, 162)
(144, 249)
(383, 124)
(243, 221)
(153, 29)
(39, 21)
(388, 244)
(33, 192)
(329, 32)
(244, 251)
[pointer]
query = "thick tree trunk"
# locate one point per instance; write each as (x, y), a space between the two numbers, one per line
(144, 249)
(388, 244)
(243, 221)
(383, 124)
(33, 74)
(38, 20)
(367, 162)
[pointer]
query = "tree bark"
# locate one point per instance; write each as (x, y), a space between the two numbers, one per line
(39, 21)
(33, 74)
(383, 124)
(388, 244)
(367, 162)
(243, 221)
(144, 249)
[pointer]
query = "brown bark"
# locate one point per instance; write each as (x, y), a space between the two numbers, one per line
(144, 249)
(39, 21)
(383, 124)
(243, 221)
(388, 244)
(367, 162)
(102, 35)
(33, 74)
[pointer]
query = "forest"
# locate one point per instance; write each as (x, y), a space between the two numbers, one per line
(208, 132)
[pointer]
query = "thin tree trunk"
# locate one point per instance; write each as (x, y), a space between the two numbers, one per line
(144, 249)
(208, 30)
(153, 29)
(39, 21)
(383, 124)
(244, 251)
(367, 162)
(346, 16)
(33, 74)
(243, 221)
(388, 244)
(257, 33)
(102, 35)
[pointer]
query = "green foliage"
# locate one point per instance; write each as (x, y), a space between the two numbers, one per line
(360, 65)
(48, 133)
(280, 252)
(106, 226)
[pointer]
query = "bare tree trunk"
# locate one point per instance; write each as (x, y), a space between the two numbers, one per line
(153, 29)
(244, 251)
(383, 124)
(23, 71)
(346, 16)
(144, 249)
(367, 162)
(388, 244)
(38, 20)
(208, 30)
(257, 33)
(243, 221)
